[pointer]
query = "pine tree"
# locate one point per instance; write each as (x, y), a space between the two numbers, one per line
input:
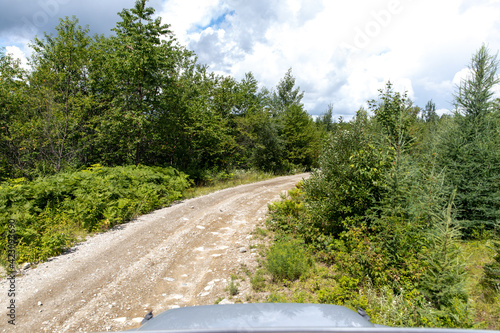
(491, 276)
(468, 148)
(444, 277)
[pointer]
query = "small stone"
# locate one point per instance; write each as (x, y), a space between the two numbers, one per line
(200, 227)
(121, 319)
(137, 319)
(243, 250)
(169, 279)
(225, 301)
(40, 303)
(25, 266)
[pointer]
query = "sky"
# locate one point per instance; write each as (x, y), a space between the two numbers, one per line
(341, 52)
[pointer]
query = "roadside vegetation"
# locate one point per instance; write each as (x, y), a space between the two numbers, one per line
(403, 217)
(101, 129)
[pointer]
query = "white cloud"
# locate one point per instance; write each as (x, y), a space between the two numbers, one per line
(184, 16)
(17, 53)
(340, 52)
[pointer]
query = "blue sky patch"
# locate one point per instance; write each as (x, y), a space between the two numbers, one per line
(215, 23)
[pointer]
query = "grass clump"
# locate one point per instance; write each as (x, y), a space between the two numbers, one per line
(288, 260)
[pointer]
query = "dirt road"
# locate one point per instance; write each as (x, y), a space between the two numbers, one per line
(177, 256)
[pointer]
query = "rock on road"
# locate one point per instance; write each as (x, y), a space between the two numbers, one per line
(177, 256)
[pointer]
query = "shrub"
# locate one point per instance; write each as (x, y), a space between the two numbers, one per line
(288, 261)
(491, 278)
(257, 281)
(232, 288)
(50, 212)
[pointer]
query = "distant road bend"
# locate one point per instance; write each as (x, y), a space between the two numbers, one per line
(177, 256)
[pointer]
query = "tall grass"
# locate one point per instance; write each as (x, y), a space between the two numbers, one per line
(220, 181)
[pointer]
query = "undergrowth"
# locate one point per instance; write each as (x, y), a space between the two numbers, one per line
(52, 213)
(350, 270)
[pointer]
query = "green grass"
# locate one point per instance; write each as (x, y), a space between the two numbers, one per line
(405, 308)
(235, 178)
(486, 302)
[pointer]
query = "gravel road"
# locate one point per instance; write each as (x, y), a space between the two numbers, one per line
(177, 256)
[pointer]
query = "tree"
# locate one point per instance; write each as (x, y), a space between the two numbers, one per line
(286, 94)
(395, 116)
(468, 147)
(326, 119)
(139, 72)
(15, 152)
(445, 276)
(340, 196)
(302, 138)
(429, 112)
(475, 93)
(60, 96)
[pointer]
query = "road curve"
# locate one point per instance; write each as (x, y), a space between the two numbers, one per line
(177, 256)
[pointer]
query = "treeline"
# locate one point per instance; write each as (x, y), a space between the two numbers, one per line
(138, 97)
(399, 191)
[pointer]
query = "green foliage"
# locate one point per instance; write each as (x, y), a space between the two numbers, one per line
(51, 212)
(60, 103)
(284, 214)
(14, 149)
(138, 97)
(443, 280)
(288, 261)
(468, 147)
(475, 93)
(350, 179)
(257, 281)
(301, 137)
(287, 94)
(375, 216)
(232, 288)
(491, 277)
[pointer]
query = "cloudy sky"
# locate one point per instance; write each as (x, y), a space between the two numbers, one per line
(341, 52)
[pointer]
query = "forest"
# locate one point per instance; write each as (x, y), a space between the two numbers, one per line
(100, 129)
(139, 98)
(402, 218)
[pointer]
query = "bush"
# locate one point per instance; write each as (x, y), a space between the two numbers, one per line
(491, 278)
(288, 261)
(257, 281)
(50, 213)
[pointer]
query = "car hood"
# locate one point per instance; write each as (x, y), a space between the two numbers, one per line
(256, 315)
